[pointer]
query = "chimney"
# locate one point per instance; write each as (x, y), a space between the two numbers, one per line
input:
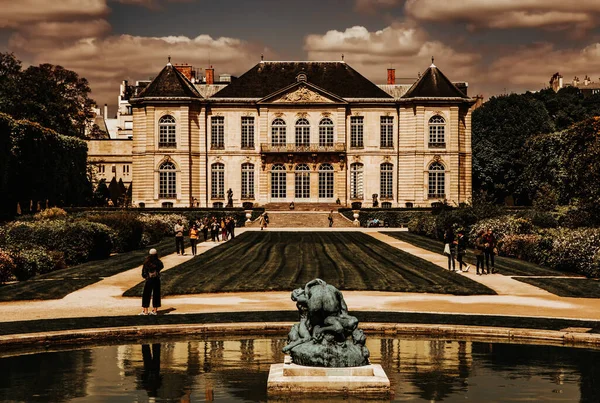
(210, 75)
(391, 77)
(105, 111)
(185, 69)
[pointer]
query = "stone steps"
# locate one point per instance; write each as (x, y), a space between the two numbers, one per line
(303, 219)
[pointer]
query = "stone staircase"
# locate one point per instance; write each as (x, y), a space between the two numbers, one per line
(303, 219)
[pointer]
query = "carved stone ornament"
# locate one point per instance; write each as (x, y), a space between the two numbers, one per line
(278, 114)
(303, 94)
(302, 115)
(326, 114)
(356, 158)
(437, 158)
(387, 158)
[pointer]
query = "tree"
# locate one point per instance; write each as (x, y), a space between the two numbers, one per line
(500, 129)
(50, 95)
(115, 191)
(101, 194)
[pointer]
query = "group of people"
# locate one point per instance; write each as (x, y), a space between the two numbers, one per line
(220, 230)
(455, 248)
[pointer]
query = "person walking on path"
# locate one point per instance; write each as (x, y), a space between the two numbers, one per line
(262, 221)
(151, 272)
(194, 238)
(479, 246)
(179, 237)
(489, 250)
(330, 218)
(223, 230)
(450, 248)
(214, 230)
(461, 251)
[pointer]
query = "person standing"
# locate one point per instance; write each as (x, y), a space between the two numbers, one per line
(151, 272)
(461, 251)
(232, 227)
(262, 221)
(205, 228)
(194, 238)
(330, 218)
(479, 246)
(489, 250)
(179, 237)
(214, 230)
(223, 230)
(450, 248)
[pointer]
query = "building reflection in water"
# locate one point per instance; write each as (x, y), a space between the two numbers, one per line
(229, 369)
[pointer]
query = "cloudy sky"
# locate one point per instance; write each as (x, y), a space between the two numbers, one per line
(495, 45)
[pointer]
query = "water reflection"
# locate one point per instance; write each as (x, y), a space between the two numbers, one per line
(226, 369)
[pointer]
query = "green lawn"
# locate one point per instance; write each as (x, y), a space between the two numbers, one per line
(507, 266)
(567, 287)
(282, 261)
(59, 283)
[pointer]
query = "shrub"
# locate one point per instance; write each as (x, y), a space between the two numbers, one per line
(51, 214)
(502, 226)
(31, 261)
(247, 205)
(575, 217)
(356, 205)
(7, 267)
(524, 246)
(78, 240)
(128, 228)
(541, 219)
(158, 226)
(575, 250)
(424, 224)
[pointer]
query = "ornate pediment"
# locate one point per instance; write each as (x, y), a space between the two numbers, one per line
(302, 94)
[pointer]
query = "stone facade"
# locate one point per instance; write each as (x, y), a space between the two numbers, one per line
(110, 159)
(189, 149)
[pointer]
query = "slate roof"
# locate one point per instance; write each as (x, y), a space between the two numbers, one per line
(335, 77)
(170, 83)
(434, 84)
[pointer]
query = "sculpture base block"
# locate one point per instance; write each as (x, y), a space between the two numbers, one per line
(288, 379)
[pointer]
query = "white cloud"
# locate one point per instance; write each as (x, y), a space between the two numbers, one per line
(16, 14)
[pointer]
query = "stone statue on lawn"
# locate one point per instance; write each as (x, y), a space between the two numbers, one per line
(326, 335)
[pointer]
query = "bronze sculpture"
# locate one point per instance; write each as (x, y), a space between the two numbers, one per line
(326, 336)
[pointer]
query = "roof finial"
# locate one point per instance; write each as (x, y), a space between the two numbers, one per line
(169, 60)
(262, 57)
(432, 65)
(342, 57)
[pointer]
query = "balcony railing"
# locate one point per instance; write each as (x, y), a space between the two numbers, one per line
(167, 195)
(302, 148)
(169, 144)
(436, 195)
(437, 145)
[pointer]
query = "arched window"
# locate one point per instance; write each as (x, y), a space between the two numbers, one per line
(437, 180)
(302, 181)
(167, 180)
(326, 132)
(166, 132)
(217, 180)
(302, 132)
(278, 182)
(437, 132)
(278, 132)
(386, 182)
(356, 181)
(325, 181)
(247, 181)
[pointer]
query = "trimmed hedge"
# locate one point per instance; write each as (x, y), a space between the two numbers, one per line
(391, 217)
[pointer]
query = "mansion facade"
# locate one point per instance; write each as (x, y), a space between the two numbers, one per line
(307, 132)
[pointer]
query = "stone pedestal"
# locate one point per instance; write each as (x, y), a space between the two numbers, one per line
(289, 379)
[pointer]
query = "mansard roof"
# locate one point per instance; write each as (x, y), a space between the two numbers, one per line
(170, 83)
(434, 84)
(337, 78)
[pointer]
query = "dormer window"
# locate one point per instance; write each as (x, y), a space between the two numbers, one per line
(301, 78)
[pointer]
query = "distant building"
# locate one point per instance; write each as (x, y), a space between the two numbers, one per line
(587, 86)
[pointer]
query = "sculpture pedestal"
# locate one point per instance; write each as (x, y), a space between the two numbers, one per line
(291, 379)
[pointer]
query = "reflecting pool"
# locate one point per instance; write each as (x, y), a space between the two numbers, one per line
(236, 370)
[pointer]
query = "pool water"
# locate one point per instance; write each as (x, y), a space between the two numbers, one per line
(236, 370)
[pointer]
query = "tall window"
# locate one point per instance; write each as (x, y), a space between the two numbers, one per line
(302, 132)
(387, 131)
(247, 181)
(167, 180)
(356, 131)
(278, 132)
(278, 181)
(437, 131)
(217, 180)
(437, 180)
(356, 181)
(326, 132)
(247, 132)
(302, 181)
(166, 132)
(386, 183)
(217, 132)
(325, 181)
